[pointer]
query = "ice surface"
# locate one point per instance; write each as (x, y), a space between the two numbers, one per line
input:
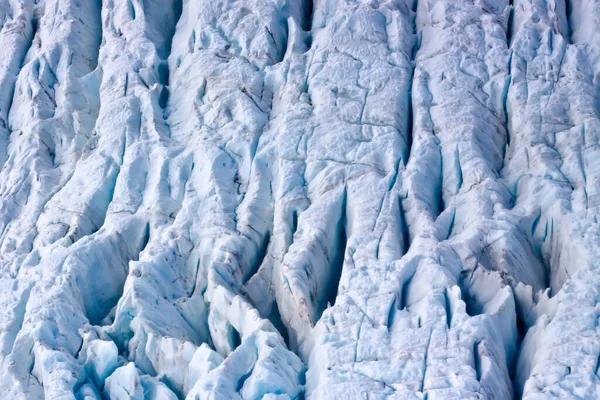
(288, 199)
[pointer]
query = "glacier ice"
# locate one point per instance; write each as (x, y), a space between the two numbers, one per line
(288, 199)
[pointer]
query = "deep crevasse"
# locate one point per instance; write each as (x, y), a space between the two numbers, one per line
(299, 199)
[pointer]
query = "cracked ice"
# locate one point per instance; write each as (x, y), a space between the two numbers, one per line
(299, 199)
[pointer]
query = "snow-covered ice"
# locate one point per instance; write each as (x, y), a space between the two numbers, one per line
(299, 199)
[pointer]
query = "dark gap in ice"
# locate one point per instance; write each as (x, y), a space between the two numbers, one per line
(242, 380)
(477, 360)
(108, 305)
(236, 338)
(522, 329)
(404, 228)
(568, 11)
(35, 26)
(404, 294)
(509, 34)
(144, 241)
(509, 27)
(441, 205)
(413, 5)
(472, 306)
(163, 73)
(392, 312)
(121, 339)
(507, 132)
(279, 38)
(413, 55)
(307, 42)
(163, 22)
(505, 99)
(308, 15)
(163, 97)
(275, 318)
(338, 261)
(259, 258)
(537, 248)
(286, 38)
(177, 9)
(131, 10)
(105, 307)
(451, 225)
(409, 129)
(458, 168)
(294, 222)
(301, 395)
(163, 67)
(448, 308)
(302, 382)
(163, 77)
(328, 293)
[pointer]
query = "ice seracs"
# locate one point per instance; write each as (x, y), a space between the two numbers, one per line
(299, 199)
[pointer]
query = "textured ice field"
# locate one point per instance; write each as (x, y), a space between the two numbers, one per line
(299, 199)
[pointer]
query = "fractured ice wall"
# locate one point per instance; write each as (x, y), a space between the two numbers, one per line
(325, 199)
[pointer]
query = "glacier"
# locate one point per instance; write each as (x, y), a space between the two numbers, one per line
(299, 199)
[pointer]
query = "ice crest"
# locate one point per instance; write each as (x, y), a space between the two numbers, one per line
(299, 199)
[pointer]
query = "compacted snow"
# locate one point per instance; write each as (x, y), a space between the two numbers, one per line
(299, 199)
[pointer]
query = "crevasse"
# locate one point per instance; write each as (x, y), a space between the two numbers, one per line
(302, 199)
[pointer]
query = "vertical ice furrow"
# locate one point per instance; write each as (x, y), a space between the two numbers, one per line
(281, 181)
(297, 198)
(584, 20)
(119, 156)
(426, 203)
(196, 267)
(345, 98)
(458, 141)
(302, 278)
(553, 143)
(107, 254)
(348, 135)
(553, 110)
(221, 184)
(411, 113)
(16, 38)
(585, 23)
(44, 146)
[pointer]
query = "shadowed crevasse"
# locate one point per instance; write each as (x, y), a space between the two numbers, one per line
(306, 198)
